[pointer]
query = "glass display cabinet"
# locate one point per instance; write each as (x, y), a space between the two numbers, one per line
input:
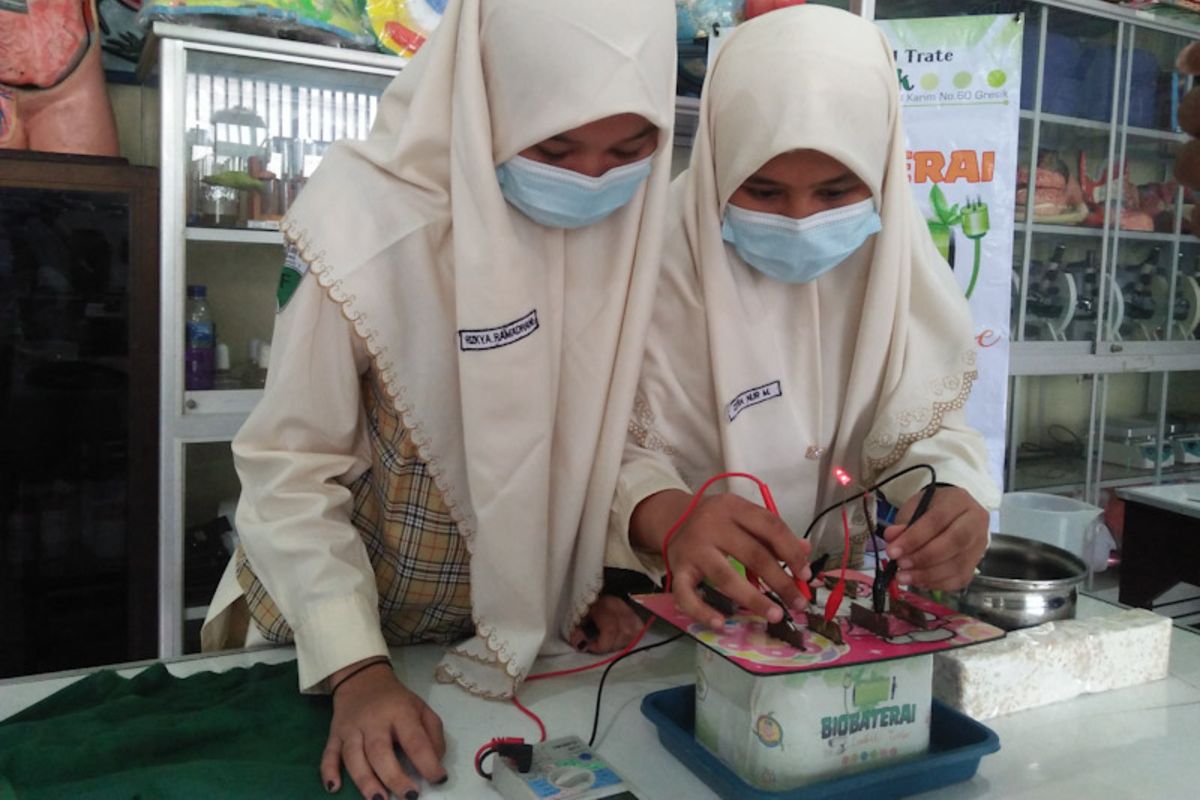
(244, 122)
(78, 392)
(1105, 299)
(1103, 388)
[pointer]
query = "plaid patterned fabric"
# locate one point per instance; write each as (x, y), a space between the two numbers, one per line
(422, 567)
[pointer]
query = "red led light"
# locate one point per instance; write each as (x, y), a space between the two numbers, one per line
(842, 476)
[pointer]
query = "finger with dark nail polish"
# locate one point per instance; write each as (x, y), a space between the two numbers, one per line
(411, 794)
(589, 627)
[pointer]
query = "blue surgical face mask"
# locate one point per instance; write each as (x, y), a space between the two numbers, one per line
(562, 198)
(799, 250)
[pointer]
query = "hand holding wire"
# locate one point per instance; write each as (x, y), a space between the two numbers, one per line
(712, 530)
(938, 548)
(724, 526)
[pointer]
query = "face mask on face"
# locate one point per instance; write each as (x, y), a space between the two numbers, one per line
(799, 250)
(562, 198)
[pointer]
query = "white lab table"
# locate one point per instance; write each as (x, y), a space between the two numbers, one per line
(1141, 742)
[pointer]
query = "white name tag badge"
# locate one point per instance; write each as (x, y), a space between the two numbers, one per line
(752, 397)
(500, 336)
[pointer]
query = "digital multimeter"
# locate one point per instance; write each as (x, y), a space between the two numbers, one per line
(562, 769)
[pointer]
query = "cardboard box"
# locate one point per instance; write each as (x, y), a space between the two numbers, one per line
(778, 732)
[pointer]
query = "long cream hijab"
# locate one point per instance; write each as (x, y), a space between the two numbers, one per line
(868, 366)
(409, 232)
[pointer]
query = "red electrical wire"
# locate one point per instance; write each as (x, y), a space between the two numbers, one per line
(532, 716)
(559, 673)
(768, 501)
(835, 597)
(482, 752)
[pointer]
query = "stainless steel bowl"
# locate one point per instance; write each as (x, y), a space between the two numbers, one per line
(1022, 583)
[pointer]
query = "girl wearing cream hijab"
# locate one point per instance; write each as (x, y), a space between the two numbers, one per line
(805, 322)
(463, 313)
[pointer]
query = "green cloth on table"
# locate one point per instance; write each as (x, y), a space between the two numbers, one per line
(246, 732)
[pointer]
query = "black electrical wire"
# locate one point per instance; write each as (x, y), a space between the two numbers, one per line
(600, 689)
(921, 507)
(479, 770)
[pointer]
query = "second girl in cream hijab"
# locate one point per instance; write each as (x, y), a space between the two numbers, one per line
(866, 366)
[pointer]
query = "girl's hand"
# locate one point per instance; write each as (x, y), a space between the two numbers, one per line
(943, 547)
(610, 625)
(373, 713)
(721, 526)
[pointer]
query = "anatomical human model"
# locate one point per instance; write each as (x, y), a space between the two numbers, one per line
(52, 93)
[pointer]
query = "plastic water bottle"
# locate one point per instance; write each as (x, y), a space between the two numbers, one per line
(200, 334)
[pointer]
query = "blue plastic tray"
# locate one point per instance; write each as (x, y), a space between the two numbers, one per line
(956, 744)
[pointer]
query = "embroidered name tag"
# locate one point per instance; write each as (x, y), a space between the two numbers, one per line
(752, 397)
(491, 338)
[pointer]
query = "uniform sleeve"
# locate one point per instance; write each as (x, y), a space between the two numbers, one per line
(296, 454)
(958, 453)
(642, 474)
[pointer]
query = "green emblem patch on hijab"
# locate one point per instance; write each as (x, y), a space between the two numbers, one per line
(294, 269)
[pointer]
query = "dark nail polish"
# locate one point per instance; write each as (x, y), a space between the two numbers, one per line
(411, 794)
(582, 645)
(590, 629)
(377, 796)
(441, 780)
(329, 786)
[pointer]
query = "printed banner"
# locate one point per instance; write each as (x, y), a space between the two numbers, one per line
(960, 88)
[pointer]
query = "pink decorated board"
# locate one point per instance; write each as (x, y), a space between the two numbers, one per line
(745, 642)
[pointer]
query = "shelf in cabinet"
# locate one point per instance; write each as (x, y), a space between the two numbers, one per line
(1149, 235)
(1162, 136)
(1080, 230)
(1115, 475)
(199, 428)
(1103, 128)
(233, 236)
(1058, 230)
(221, 401)
(1065, 474)
(1069, 122)
(1054, 475)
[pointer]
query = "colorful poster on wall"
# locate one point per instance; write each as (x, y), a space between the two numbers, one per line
(960, 88)
(121, 38)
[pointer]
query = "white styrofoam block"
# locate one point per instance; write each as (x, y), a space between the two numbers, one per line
(778, 732)
(1054, 661)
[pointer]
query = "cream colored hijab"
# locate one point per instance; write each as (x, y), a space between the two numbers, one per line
(853, 369)
(409, 232)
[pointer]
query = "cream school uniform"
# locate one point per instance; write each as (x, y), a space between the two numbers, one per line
(866, 367)
(410, 247)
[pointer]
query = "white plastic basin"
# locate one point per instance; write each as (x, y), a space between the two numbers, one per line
(1073, 525)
